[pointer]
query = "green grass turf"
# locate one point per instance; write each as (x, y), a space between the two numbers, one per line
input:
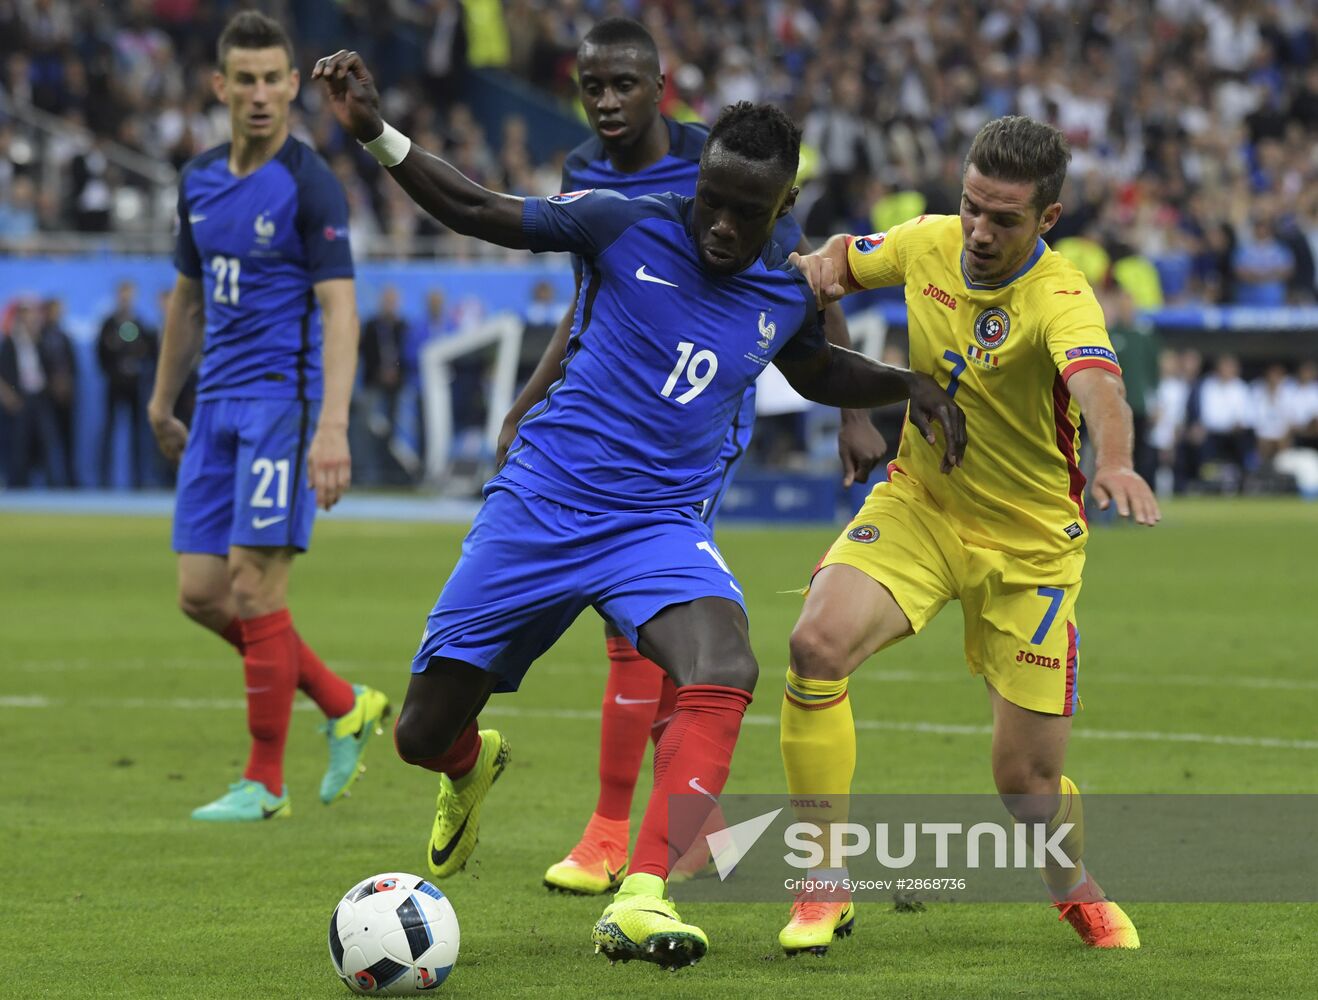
(110, 891)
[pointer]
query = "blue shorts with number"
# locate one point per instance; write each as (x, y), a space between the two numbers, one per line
(530, 566)
(735, 446)
(243, 480)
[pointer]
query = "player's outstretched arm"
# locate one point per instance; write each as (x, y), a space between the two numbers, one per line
(179, 345)
(838, 377)
(547, 372)
(329, 462)
(825, 270)
(458, 202)
(1102, 399)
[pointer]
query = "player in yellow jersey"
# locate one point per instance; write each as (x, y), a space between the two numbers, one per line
(1016, 334)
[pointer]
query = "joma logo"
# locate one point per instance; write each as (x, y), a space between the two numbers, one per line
(1051, 662)
(938, 295)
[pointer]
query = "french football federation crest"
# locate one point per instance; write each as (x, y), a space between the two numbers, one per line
(991, 328)
(767, 330)
(863, 533)
(265, 228)
(870, 243)
(567, 197)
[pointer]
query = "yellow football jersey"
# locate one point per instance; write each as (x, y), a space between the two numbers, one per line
(1004, 352)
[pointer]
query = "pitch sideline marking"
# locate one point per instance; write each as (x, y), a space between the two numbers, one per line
(592, 715)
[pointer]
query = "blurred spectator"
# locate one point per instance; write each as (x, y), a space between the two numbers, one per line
(850, 151)
(1167, 419)
(383, 343)
(25, 396)
(446, 51)
(61, 367)
(90, 194)
(126, 350)
(1262, 266)
(1226, 412)
(542, 315)
(437, 323)
(1273, 411)
(18, 212)
(1304, 417)
(1189, 450)
(1137, 349)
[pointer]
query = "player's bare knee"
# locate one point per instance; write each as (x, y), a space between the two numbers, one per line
(818, 653)
(251, 590)
(1028, 790)
(199, 605)
(740, 672)
(418, 739)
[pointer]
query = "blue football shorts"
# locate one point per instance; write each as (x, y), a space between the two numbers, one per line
(530, 566)
(243, 477)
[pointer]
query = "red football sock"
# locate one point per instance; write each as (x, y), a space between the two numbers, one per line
(691, 761)
(664, 713)
(631, 697)
(331, 693)
(233, 634)
(457, 760)
(270, 669)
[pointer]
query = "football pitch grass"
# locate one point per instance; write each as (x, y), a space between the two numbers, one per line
(120, 717)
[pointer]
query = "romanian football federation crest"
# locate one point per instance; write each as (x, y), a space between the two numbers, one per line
(863, 533)
(991, 328)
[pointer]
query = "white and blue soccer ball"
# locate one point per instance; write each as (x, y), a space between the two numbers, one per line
(393, 935)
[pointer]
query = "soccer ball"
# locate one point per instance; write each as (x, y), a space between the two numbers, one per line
(393, 935)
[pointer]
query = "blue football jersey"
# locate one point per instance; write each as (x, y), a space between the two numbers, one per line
(259, 244)
(588, 166)
(660, 354)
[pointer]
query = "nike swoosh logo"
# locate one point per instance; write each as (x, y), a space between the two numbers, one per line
(196, 217)
(694, 784)
(264, 522)
(619, 699)
(267, 813)
(612, 876)
(440, 856)
(660, 913)
(642, 275)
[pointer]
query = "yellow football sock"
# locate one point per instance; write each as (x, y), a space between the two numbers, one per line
(1070, 809)
(818, 740)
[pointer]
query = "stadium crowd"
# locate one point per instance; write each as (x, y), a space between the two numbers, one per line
(1193, 123)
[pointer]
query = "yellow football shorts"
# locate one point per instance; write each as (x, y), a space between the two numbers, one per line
(1020, 617)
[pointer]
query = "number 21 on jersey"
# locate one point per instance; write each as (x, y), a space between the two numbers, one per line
(698, 368)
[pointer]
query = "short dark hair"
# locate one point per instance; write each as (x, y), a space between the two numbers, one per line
(1016, 148)
(251, 29)
(758, 132)
(622, 31)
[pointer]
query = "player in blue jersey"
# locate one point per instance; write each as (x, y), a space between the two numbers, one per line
(684, 301)
(637, 151)
(264, 287)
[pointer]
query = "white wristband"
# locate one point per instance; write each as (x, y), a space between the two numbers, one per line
(390, 147)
